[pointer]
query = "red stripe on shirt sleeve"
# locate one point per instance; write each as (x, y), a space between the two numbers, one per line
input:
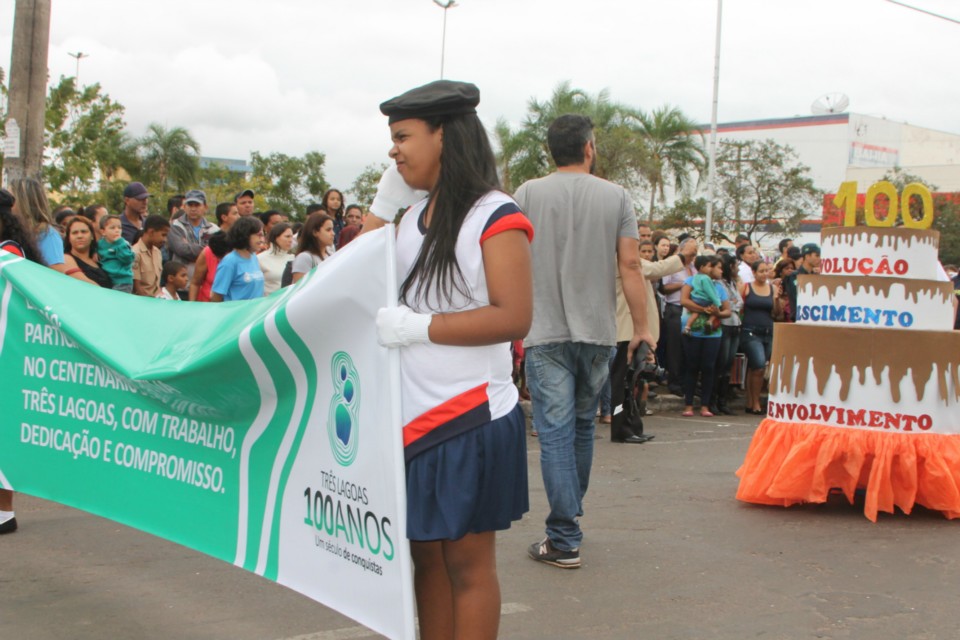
(507, 223)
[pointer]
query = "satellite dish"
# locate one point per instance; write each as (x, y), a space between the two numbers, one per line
(830, 103)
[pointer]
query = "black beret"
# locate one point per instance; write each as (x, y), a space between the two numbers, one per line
(439, 98)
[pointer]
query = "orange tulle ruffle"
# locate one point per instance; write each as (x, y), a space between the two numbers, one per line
(791, 463)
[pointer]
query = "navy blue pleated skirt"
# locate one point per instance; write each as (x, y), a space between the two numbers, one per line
(472, 483)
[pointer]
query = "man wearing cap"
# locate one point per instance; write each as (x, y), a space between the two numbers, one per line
(809, 263)
(582, 222)
(134, 210)
(190, 233)
(244, 202)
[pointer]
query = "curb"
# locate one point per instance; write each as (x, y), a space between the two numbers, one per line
(663, 403)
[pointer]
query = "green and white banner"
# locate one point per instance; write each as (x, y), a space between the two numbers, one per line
(265, 433)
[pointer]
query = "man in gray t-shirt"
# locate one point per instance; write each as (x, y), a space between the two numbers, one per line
(580, 222)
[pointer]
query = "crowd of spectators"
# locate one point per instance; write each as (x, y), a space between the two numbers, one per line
(711, 305)
(181, 254)
(723, 302)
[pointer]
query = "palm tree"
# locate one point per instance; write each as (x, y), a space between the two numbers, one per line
(676, 148)
(524, 154)
(521, 156)
(122, 153)
(170, 155)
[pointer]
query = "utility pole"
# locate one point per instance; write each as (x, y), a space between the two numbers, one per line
(28, 87)
(712, 162)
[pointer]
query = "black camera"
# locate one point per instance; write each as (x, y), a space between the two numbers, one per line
(639, 372)
(639, 367)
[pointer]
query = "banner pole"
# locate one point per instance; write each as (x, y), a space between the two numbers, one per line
(396, 437)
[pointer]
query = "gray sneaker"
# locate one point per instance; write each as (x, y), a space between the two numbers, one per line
(545, 552)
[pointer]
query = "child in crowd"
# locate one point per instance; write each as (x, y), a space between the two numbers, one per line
(148, 259)
(116, 255)
(704, 294)
(173, 278)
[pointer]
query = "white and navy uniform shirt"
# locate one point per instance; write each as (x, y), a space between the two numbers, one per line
(448, 390)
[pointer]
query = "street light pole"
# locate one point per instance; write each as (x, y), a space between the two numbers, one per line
(712, 168)
(449, 4)
(79, 55)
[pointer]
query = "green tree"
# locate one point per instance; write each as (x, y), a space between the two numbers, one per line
(762, 189)
(947, 221)
(85, 143)
(523, 154)
(685, 214)
(365, 186)
(288, 182)
(219, 183)
(314, 181)
(170, 158)
(675, 146)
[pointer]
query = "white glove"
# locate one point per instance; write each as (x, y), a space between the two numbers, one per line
(393, 195)
(400, 326)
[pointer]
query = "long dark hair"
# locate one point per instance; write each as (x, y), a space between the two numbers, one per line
(308, 235)
(729, 264)
(338, 214)
(12, 228)
(468, 170)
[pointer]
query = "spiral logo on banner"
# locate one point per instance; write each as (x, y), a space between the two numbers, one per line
(342, 420)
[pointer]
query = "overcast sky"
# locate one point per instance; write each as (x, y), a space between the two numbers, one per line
(302, 75)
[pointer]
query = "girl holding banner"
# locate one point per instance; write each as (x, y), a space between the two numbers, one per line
(463, 253)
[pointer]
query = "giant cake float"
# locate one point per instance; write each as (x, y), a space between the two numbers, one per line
(865, 386)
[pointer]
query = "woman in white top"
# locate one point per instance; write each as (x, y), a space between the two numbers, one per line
(464, 260)
(275, 257)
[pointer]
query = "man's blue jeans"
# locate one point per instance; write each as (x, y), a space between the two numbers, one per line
(564, 380)
(606, 408)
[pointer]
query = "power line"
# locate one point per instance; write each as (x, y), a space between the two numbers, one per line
(929, 13)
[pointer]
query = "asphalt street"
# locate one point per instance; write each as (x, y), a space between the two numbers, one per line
(668, 553)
